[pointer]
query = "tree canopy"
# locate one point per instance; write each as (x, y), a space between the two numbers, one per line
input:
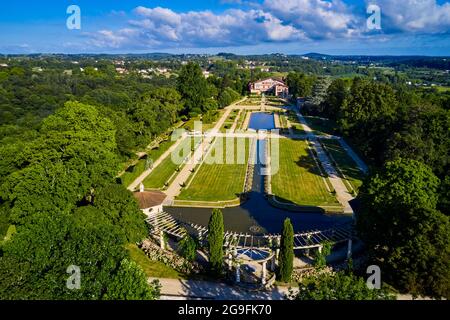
(404, 232)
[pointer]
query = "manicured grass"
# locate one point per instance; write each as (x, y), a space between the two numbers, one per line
(167, 168)
(229, 121)
(296, 126)
(276, 102)
(321, 126)
(345, 163)
(151, 268)
(298, 179)
(217, 182)
(241, 120)
(135, 171)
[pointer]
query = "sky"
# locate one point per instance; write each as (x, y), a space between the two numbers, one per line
(405, 27)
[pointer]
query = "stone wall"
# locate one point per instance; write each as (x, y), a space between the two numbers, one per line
(170, 258)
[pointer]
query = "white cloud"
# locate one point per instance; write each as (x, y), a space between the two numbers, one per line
(317, 18)
(414, 16)
(271, 21)
(161, 27)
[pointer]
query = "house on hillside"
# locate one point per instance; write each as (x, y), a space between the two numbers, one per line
(269, 86)
(150, 201)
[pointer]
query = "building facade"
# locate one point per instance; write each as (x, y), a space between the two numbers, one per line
(269, 86)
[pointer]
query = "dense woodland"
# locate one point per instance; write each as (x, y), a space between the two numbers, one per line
(404, 134)
(67, 129)
(64, 138)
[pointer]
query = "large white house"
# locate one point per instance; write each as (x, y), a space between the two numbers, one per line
(269, 86)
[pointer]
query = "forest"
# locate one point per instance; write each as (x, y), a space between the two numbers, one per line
(65, 135)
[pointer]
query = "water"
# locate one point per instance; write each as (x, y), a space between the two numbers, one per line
(256, 215)
(261, 121)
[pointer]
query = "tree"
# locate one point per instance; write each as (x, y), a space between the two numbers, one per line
(46, 247)
(338, 286)
(422, 135)
(188, 247)
(401, 184)
(286, 258)
(121, 209)
(403, 231)
(74, 153)
(337, 94)
(321, 255)
(300, 85)
(215, 241)
(192, 86)
(227, 97)
(368, 116)
(130, 283)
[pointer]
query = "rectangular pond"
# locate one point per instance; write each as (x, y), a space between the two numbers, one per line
(262, 121)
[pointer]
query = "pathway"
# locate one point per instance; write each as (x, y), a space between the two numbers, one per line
(173, 289)
(135, 184)
(342, 194)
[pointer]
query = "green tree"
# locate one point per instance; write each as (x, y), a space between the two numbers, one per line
(403, 231)
(74, 153)
(45, 249)
(286, 256)
(337, 94)
(130, 283)
(188, 247)
(122, 210)
(320, 260)
(338, 286)
(422, 135)
(215, 241)
(192, 86)
(300, 85)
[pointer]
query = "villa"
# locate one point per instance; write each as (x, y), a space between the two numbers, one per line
(269, 86)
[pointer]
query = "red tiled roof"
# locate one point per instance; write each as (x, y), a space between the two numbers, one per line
(149, 199)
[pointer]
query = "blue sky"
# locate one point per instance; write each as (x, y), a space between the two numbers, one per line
(239, 26)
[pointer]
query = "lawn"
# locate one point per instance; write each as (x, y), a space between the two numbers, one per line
(298, 179)
(345, 163)
(230, 120)
(295, 124)
(217, 182)
(321, 126)
(136, 170)
(152, 268)
(163, 173)
(241, 120)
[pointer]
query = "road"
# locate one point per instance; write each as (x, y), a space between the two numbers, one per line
(173, 289)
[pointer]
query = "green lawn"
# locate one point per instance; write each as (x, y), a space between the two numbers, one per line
(345, 162)
(298, 179)
(152, 268)
(135, 171)
(241, 119)
(229, 121)
(321, 126)
(167, 168)
(217, 182)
